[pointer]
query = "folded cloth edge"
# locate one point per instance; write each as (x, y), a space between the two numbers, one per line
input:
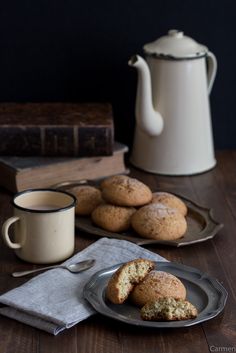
(40, 323)
(53, 325)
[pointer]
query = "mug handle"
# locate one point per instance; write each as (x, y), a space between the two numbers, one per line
(212, 68)
(5, 234)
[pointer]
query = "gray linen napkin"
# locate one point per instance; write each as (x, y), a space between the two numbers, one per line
(53, 300)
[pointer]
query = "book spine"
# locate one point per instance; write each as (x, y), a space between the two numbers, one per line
(57, 141)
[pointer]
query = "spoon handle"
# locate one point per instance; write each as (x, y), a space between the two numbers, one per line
(24, 273)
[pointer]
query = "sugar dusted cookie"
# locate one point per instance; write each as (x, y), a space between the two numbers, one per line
(88, 198)
(112, 180)
(170, 200)
(113, 218)
(123, 280)
(156, 221)
(155, 285)
(122, 190)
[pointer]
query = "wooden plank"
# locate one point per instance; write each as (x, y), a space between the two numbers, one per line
(212, 256)
(65, 342)
(98, 334)
(16, 337)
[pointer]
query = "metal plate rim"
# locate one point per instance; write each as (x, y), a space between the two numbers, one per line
(103, 309)
(211, 229)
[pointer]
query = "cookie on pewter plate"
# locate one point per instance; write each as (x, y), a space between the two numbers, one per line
(156, 221)
(168, 309)
(155, 285)
(123, 280)
(113, 179)
(88, 198)
(112, 218)
(122, 190)
(170, 200)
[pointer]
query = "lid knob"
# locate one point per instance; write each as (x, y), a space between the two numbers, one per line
(175, 33)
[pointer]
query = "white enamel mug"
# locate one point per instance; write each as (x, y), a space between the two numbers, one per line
(43, 222)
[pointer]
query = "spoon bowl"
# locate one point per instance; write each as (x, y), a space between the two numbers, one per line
(80, 266)
(74, 268)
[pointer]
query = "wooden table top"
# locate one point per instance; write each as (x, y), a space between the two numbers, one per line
(215, 189)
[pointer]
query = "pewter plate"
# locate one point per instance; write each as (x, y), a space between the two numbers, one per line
(203, 291)
(201, 227)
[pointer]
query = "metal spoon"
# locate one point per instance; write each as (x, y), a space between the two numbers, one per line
(74, 268)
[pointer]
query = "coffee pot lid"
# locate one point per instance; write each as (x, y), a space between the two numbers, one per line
(175, 45)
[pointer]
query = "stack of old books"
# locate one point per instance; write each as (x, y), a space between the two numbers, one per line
(42, 144)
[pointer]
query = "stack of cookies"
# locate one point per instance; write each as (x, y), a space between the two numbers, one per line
(123, 202)
(159, 294)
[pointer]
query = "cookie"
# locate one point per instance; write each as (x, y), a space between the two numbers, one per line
(112, 179)
(122, 190)
(113, 218)
(156, 221)
(155, 285)
(123, 280)
(170, 200)
(88, 198)
(168, 309)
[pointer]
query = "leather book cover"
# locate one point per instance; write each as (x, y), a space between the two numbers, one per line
(20, 173)
(56, 129)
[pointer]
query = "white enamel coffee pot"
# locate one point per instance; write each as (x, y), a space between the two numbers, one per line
(173, 133)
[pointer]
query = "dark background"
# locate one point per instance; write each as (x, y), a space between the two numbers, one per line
(74, 50)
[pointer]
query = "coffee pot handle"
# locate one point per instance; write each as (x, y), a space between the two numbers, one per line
(212, 68)
(5, 234)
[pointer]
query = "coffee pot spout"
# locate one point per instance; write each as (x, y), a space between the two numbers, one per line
(148, 119)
